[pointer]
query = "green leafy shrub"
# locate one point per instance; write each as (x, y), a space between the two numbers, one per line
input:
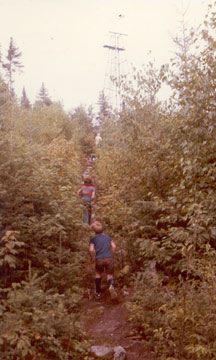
(41, 232)
(176, 322)
(37, 324)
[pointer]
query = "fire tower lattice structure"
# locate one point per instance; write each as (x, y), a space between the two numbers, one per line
(115, 69)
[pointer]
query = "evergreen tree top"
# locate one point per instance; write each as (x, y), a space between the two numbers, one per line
(43, 96)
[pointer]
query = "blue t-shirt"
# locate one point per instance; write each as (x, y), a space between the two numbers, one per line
(102, 245)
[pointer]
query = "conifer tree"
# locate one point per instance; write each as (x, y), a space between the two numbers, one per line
(43, 96)
(4, 103)
(103, 105)
(12, 63)
(25, 103)
(82, 129)
(12, 94)
(104, 110)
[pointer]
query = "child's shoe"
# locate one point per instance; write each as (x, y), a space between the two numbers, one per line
(97, 295)
(112, 291)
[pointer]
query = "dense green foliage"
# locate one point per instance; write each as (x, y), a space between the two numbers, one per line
(42, 249)
(157, 171)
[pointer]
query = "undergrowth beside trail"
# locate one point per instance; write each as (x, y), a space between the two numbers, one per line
(42, 250)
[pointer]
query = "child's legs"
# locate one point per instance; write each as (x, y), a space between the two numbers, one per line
(110, 279)
(86, 216)
(110, 270)
(107, 265)
(99, 267)
(109, 276)
(87, 213)
(98, 271)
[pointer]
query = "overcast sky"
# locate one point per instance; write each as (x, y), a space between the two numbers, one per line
(62, 40)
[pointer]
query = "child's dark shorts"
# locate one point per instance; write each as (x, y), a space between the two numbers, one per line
(105, 265)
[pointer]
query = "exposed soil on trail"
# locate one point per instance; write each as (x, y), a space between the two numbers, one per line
(106, 323)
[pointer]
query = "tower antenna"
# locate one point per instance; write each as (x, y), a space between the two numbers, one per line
(112, 88)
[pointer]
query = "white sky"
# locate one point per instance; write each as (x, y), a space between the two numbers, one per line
(62, 40)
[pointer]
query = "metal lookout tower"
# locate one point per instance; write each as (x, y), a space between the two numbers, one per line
(115, 68)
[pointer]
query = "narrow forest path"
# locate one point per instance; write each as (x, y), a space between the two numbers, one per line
(106, 322)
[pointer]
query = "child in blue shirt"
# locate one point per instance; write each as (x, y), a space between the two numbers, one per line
(102, 248)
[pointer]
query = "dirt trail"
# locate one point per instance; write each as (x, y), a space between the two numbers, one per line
(106, 323)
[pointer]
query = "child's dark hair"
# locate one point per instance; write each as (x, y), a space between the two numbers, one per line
(97, 227)
(87, 180)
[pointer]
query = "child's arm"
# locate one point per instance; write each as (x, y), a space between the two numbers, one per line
(92, 251)
(113, 246)
(93, 195)
(79, 192)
